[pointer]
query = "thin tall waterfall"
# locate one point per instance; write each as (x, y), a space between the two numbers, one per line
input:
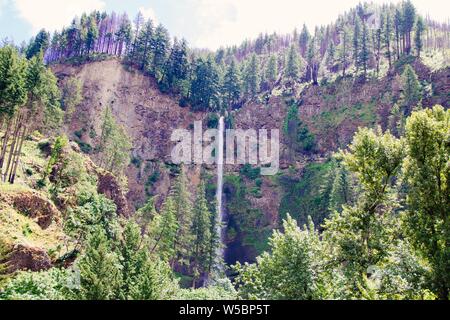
(219, 195)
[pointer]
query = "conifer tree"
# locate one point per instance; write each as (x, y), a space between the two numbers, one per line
(205, 86)
(365, 51)
(411, 88)
(160, 45)
(293, 63)
(100, 276)
(344, 49)
(232, 85)
(357, 42)
(163, 230)
(409, 19)
(252, 77)
(304, 39)
(387, 36)
(184, 215)
(201, 228)
(418, 39)
(272, 70)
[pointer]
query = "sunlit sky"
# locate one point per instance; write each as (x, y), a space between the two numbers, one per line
(204, 23)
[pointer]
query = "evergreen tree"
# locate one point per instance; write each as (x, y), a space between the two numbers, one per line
(398, 26)
(365, 50)
(232, 85)
(163, 230)
(418, 39)
(92, 34)
(387, 36)
(411, 93)
(272, 70)
(293, 63)
(304, 39)
(344, 49)
(357, 42)
(313, 62)
(205, 86)
(201, 228)
(252, 77)
(71, 98)
(160, 45)
(409, 19)
(144, 52)
(184, 215)
(39, 44)
(100, 277)
(331, 55)
(341, 192)
(114, 145)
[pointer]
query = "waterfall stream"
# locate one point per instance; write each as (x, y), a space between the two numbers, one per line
(219, 195)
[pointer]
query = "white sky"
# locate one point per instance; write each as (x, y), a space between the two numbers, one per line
(205, 23)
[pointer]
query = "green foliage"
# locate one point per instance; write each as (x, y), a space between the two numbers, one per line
(363, 234)
(115, 145)
(411, 93)
(205, 86)
(72, 96)
(298, 134)
(289, 272)
(252, 77)
(222, 290)
(249, 172)
(44, 285)
(426, 170)
(293, 63)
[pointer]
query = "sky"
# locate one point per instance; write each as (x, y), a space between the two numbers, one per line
(204, 23)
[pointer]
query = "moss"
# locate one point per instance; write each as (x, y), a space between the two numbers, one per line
(308, 195)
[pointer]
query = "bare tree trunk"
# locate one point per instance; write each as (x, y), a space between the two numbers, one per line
(13, 173)
(13, 146)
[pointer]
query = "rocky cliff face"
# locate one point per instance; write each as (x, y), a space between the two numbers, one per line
(332, 112)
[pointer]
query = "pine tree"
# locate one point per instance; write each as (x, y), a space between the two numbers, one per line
(184, 215)
(163, 230)
(205, 86)
(100, 277)
(92, 34)
(272, 70)
(387, 37)
(357, 42)
(161, 47)
(331, 55)
(293, 63)
(398, 26)
(409, 19)
(411, 94)
(344, 49)
(39, 44)
(304, 39)
(418, 39)
(201, 228)
(232, 85)
(313, 62)
(144, 52)
(365, 51)
(252, 77)
(341, 190)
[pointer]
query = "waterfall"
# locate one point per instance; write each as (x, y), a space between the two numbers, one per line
(219, 195)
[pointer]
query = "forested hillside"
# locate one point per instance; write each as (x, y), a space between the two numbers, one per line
(93, 208)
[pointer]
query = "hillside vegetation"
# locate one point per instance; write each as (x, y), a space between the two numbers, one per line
(92, 207)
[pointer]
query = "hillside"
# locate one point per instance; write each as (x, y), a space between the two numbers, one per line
(95, 203)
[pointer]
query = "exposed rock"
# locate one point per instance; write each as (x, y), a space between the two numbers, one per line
(24, 258)
(109, 186)
(33, 205)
